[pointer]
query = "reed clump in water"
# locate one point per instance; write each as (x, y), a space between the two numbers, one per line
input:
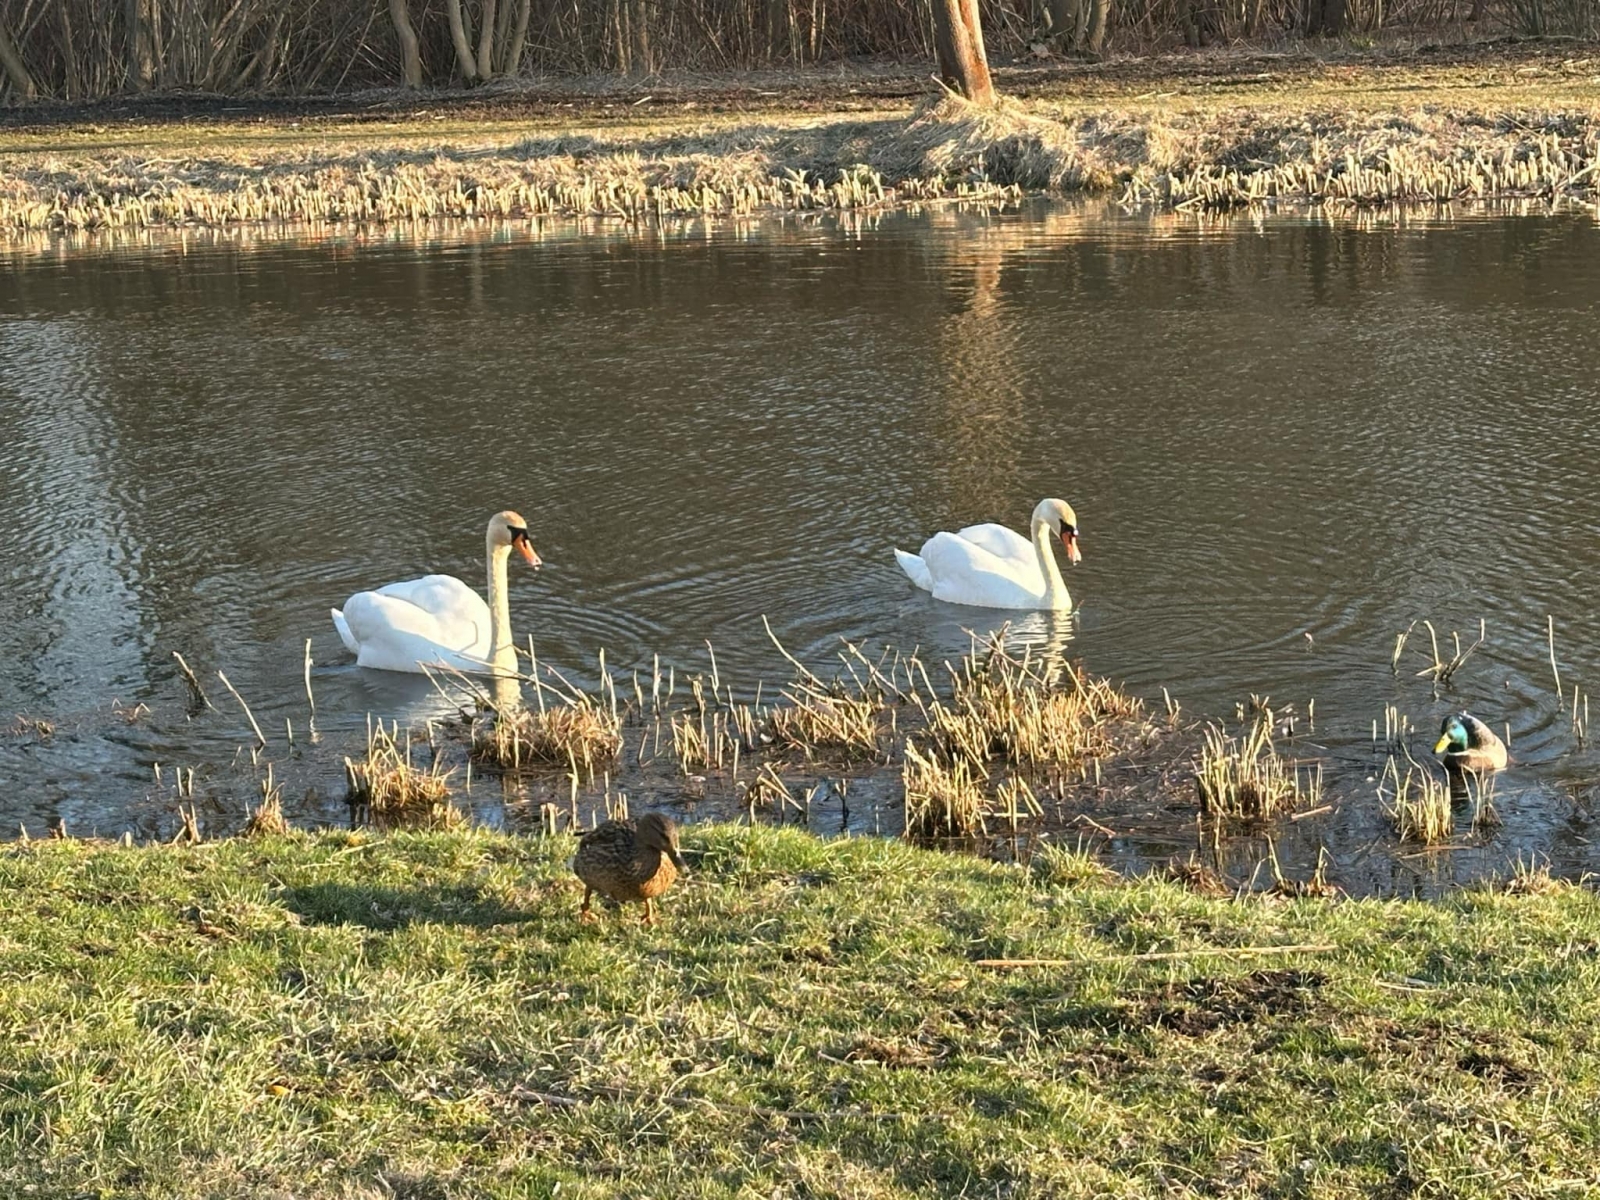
(266, 819)
(818, 722)
(391, 789)
(1245, 778)
(1019, 710)
(1024, 716)
(580, 733)
(942, 799)
(1418, 805)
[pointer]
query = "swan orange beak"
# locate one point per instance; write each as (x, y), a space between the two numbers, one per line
(1069, 539)
(525, 548)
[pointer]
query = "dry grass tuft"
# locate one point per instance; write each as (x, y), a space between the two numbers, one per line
(390, 789)
(942, 799)
(1418, 805)
(1026, 714)
(1005, 144)
(582, 734)
(1020, 710)
(1196, 877)
(266, 819)
(816, 721)
(1070, 866)
(1531, 878)
(1245, 778)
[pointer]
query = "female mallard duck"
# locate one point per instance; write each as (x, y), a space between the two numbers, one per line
(1467, 744)
(629, 862)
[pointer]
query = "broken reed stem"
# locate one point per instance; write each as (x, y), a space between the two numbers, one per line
(249, 716)
(1007, 964)
(311, 701)
(1550, 633)
(196, 692)
(555, 1100)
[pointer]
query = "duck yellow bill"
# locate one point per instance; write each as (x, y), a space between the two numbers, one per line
(1443, 742)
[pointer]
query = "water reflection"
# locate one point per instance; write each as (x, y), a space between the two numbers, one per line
(1271, 427)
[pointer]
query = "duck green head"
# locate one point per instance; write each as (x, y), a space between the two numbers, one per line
(1453, 736)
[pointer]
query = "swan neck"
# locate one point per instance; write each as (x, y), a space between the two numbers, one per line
(1055, 588)
(502, 649)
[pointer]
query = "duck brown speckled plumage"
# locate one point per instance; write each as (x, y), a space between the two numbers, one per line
(630, 862)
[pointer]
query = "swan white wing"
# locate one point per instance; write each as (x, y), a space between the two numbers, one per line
(964, 572)
(1001, 542)
(436, 619)
(443, 595)
(915, 569)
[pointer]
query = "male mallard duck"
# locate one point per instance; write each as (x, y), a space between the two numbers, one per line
(1467, 744)
(629, 862)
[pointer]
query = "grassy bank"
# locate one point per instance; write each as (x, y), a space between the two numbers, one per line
(420, 1015)
(1210, 130)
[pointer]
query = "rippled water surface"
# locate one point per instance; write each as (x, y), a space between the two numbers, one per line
(1287, 439)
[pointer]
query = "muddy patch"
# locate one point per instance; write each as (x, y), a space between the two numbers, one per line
(1199, 1006)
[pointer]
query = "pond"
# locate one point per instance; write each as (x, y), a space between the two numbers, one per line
(1288, 438)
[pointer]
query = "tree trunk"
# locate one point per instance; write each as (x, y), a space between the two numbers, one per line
(1333, 17)
(959, 40)
(486, 41)
(410, 55)
(461, 38)
(519, 38)
(69, 55)
(1099, 14)
(1066, 16)
(616, 19)
(15, 70)
(141, 46)
(780, 27)
(639, 26)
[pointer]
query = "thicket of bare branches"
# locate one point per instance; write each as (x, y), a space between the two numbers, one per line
(74, 49)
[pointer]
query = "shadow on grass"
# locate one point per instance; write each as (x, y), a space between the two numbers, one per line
(395, 908)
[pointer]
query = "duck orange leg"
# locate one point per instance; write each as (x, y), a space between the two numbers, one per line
(583, 913)
(650, 913)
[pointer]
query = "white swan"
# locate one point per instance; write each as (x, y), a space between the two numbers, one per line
(438, 620)
(990, 566)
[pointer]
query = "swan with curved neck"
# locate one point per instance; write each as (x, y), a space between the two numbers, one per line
(438, 620)
(991, 566)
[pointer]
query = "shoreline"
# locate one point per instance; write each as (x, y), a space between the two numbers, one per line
(328, 1015)
(1348, 134)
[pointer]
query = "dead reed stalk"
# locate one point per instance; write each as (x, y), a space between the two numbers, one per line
(1418, 804)
(389, 788)
(580, 733)
(942, 799)
(1247, 779)
(266, 819)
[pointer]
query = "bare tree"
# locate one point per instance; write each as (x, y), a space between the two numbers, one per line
(15, 71)
(519, 38)
(410, 54)
(461, 37)
(141, 45)
(1099, 16)
(958, 40)
(1326, 17)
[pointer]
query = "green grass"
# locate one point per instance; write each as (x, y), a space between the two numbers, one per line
(373, 1016)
